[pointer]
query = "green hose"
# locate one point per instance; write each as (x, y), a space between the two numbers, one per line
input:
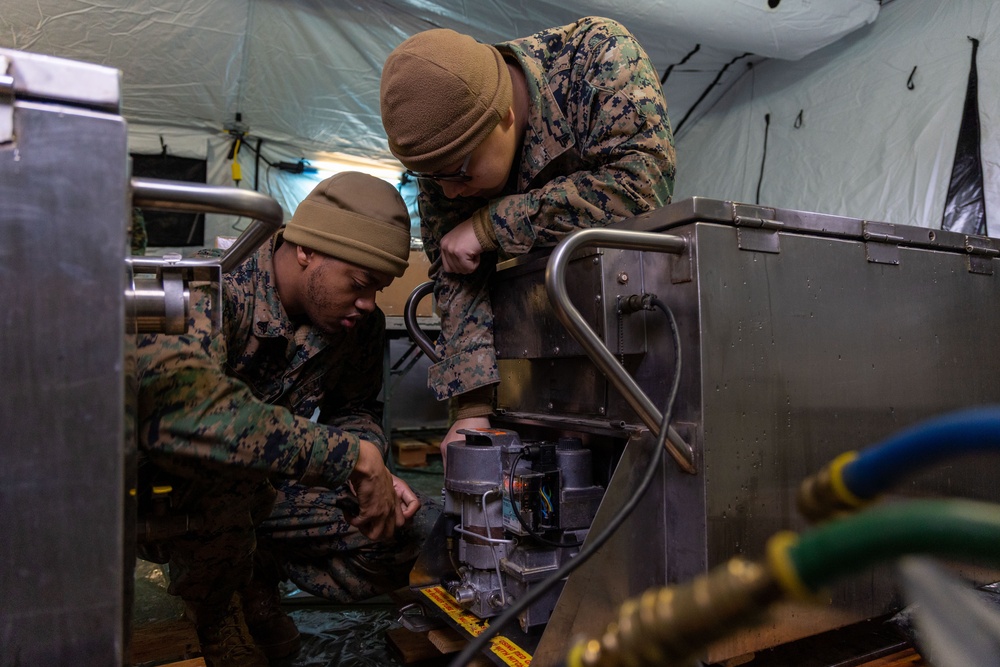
(963, 530)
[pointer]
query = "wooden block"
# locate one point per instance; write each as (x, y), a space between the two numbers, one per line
(413, 453)
(412, 647)
(446, 640)
(165, 640)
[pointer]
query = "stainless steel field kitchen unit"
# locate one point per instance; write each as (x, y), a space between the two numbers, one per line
(72, 302)
(65, 199)
(802, 336)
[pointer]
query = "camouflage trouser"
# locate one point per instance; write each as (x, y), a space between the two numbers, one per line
(211, 562)
(305, 539)
(308, 540)
(465, 344)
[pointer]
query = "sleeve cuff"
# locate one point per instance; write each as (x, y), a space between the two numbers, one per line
(318, 472)
(482, 225)
(475, 403)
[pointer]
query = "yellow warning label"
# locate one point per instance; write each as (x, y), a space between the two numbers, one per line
(502, 647)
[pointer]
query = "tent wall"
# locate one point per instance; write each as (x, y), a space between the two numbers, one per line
(866, 145)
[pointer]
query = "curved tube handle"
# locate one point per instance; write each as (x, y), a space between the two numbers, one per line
(410, 320)
(555, 285)
(199, 198)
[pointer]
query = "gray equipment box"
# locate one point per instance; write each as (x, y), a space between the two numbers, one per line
(63, 233)
(803, 336)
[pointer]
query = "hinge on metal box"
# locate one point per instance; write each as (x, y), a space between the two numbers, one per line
(881, 245)
(754, 231)
(981, 254)
(6, 102)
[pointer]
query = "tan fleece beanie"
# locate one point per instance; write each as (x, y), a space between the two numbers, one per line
(357, 218)
(442, 93)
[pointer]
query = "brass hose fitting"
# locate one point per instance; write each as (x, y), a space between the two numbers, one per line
(671, 626)
(824, 496)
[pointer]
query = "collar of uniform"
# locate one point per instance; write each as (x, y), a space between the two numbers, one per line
(269, 316)
(549, 134)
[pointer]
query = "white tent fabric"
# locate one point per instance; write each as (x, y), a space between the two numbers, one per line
(866, 145)
(303, 74)
(306, 72)
(846, 136)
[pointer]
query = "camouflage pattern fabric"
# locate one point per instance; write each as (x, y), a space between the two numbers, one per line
(322, 554)
(222, 414)
(138, 239)
(598, 149)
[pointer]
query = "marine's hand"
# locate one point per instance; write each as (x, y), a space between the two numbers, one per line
(408, 500)
(460, 249)
(453, 434)
(373, 484)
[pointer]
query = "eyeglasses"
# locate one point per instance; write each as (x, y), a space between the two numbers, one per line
(454, 177)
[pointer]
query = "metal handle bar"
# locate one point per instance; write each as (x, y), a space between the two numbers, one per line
(410, 320)
(555, 285)
(198, 198)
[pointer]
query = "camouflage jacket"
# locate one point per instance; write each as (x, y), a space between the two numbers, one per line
(241, 399)
(598, 149)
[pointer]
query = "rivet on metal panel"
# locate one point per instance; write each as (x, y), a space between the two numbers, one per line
(601, 411)
(623, 278)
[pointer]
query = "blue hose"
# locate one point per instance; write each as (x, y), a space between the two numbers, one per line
(879, 467)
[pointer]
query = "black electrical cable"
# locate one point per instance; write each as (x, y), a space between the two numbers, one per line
(260, 155)
(480, 642)
(520, 519)
(763, 157)
(256, 164)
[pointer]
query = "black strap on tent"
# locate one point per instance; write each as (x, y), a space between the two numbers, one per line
(965, 206)
(686, 58)
(712, 85)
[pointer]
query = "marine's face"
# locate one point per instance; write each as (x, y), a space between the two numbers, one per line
(488, 167)
(339, 294)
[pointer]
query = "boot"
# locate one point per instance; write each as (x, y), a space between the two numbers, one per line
(272, 629)
(223, 635)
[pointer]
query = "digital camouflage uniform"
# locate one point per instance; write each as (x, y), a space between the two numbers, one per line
(138, 239)
(223, 416)
(598, 149)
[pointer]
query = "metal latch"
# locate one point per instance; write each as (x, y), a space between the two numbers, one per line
(980, 255)
(755, 231)
(6, 102)
(881, 244)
